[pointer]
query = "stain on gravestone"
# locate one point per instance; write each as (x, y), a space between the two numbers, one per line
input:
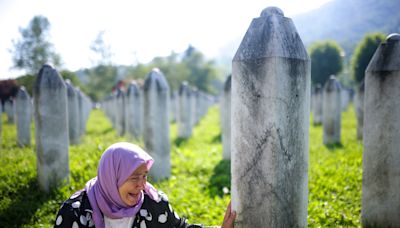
(381, 155)
(331, 113)
(51, 127)
(156, 123)
(23, 108)
(184, 117)
(73, 113)
(270, 124)
(134, 110)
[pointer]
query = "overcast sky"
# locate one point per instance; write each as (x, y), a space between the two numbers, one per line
(136, 30)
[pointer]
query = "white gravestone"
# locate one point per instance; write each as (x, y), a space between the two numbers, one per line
(380, 205)
(51, 128)
(270, 124)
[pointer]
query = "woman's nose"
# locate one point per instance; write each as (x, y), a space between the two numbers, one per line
(142, 183)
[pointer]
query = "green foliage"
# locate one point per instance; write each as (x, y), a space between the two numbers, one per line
(199, 186)
(363, 54)
(66, 74)
(102, 79)
(27, 81)
(335, 177)
(190, 66)
(101, 49)
(326, 60)
(33, 49)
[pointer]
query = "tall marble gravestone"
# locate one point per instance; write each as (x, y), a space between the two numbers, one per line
(9, 108)
(51, 128)
(120, 112)
(359, 105)
(184, 116)
(331, 113)
(317, 106)
(156, 123)
(134, 110)
(73, 113)
(381, 156)
(270, 124)
(23, 108)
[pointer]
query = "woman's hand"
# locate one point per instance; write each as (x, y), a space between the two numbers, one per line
(229, 217)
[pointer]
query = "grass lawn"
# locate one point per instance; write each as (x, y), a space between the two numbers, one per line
(199, 186)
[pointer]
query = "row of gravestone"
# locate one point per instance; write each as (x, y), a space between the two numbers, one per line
(143, 112)
(19, 112)
(60, 113)
(269, 103)
(125, 109)
(328, 101)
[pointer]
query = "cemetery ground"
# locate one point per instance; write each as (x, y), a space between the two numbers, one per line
(200, 181)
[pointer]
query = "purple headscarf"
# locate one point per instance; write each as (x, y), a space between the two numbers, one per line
(117, 163)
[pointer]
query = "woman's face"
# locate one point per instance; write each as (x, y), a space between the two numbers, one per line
(130, 190)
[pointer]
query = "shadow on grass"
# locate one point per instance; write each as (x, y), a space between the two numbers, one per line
(220, 179)
(178, 141)
(107, 130)
(334, 146)
(217, 138)
(25, 201)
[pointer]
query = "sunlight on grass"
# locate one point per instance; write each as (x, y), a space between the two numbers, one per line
(199, 186)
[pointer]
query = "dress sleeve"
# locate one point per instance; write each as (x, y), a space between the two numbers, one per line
(75, 212)
(66, 216)
(176, 220)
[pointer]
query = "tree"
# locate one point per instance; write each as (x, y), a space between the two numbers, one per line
(34, 49)
(202, 72)
(101, 49)
(363, 54)
(102, 79)
(326, 60)
(28, 80)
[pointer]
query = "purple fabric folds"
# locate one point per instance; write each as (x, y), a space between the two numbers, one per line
(117, 163)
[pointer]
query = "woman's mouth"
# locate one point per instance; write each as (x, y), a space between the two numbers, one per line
(133, 197)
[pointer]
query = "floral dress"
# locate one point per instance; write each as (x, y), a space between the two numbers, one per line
(76, 212)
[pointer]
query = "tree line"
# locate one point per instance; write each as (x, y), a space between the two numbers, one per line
(34, 49)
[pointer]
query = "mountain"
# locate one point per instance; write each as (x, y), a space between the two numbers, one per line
(347, 21)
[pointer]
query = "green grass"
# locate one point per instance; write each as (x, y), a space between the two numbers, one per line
(199, 175)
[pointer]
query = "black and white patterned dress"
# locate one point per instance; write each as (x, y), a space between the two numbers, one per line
(77, 212)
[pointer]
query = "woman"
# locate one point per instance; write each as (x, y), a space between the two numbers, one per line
(120, 196)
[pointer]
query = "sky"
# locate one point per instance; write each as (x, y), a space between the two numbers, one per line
(136, 30)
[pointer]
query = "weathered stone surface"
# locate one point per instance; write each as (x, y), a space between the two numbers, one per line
(270, 122)
(23, 108)
(184, 117)
(381, 155)
(359, 104)
(134, 110)
(9, 108)
(332, 109)
(226, 119)
(82, 125)
(344, 98)
(195, 106)
(120, 112)
(156, 123)
(317, 106)
(173, 107)
(51, 127)
(73, 113)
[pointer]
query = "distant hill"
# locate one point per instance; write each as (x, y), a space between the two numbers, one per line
(347, 21)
